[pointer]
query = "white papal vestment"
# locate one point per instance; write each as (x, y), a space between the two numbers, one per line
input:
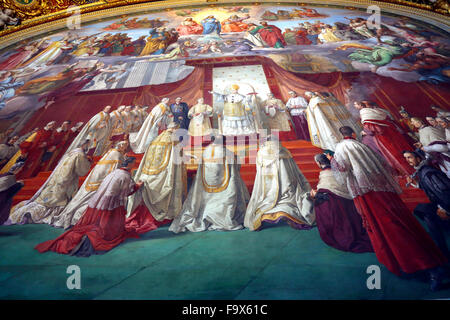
(218, 196)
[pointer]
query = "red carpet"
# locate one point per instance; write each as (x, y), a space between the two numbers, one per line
(302, 151)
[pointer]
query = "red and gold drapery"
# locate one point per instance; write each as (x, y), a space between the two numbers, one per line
(190, 89)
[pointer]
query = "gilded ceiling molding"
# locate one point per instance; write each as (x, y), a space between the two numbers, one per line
(103, 9)
(439, 6)
(34, 12)
(28, 9)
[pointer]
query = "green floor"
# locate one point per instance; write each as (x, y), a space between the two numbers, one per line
(276, 263)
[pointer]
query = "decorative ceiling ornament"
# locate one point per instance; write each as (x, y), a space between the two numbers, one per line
(439, 6)
(442, 6)
(28, 9)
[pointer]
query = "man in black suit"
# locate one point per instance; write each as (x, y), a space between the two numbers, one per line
(180, 113)
(436, 186)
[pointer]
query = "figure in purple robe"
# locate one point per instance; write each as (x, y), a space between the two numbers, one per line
(339, 223)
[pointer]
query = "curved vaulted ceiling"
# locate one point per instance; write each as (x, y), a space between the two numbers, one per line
(40, 16)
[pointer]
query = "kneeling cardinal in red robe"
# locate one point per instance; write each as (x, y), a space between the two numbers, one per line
(102, 226)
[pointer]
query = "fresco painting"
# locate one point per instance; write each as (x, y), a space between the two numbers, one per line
(304, 122)
(402, 48)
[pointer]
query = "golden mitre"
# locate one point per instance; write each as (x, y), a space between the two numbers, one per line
(235, 87)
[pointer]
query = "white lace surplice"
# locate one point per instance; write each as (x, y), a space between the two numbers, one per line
(361, 169)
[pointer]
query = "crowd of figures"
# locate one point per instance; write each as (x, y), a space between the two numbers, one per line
(315, 117)
(418, 50)
(355, 206)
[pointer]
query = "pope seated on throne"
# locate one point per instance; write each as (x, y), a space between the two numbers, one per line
(237, 113)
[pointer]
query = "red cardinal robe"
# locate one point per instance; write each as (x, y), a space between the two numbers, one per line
(398, 239)
(60, 138)
(35, 150)
(389, 140)
(103, 222)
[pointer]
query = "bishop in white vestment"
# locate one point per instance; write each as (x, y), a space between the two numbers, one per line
(117, 125)
(97, 130)
(138, 118)
(280, 192)
(128, 120)
(325, 116)
(278, 117)
(165, 184)
(218, 196)
(78, 205)
(157, 119)
(200, 114)
(49, 201)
